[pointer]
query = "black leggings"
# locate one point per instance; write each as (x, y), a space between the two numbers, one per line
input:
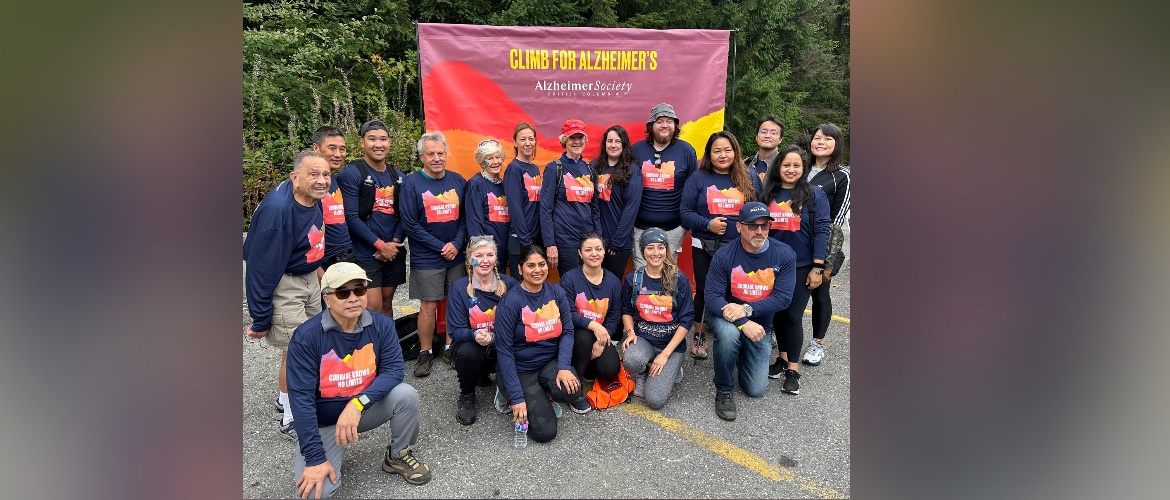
(604, 368)
(539, 386)
(701, 264)
(567, 259)
(789, 323)
(471, 361)
(822, 310)
(617, 263)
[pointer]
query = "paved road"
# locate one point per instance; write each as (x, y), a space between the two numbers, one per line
(781, 446)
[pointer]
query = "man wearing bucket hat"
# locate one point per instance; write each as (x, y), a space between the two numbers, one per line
(666, 162)
(345, 373)
(749, 282)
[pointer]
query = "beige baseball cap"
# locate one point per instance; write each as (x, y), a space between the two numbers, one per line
(341, 273)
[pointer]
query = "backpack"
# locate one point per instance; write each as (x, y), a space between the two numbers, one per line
(612, 393)
(367, 187)
(637, 287)
(407, 328)
(560, 182)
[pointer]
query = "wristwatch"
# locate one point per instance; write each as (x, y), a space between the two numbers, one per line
(818, 270)
(361, 402)
(747, 309)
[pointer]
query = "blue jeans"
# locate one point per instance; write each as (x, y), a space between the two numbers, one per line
(732, 349)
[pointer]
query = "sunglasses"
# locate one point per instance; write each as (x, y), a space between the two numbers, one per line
(657, 158)
(756, 226)
(488, 141)
(343, 293)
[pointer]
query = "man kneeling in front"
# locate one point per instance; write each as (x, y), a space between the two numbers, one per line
(345, 374)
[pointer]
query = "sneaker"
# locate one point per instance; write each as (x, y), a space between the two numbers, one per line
(775, 370)
(501, 402)
(725, 407)
(288, 431)
(485, 380)
(699, 346)
(815, 354)
(580, 406)
(465, 413)
(557, 409)
(791, 382)
(448, 357)
(277, 411)
(413, 471)
(422, 367)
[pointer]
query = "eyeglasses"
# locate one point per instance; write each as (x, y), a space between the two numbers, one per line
(756, 226)
(657, 158)
(769, 132)
(343, 293)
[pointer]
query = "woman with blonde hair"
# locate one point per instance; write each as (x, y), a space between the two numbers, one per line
(487, 209)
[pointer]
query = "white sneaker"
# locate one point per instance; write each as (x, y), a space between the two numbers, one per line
(815, 354)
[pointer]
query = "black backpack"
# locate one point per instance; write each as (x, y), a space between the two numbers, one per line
(561, 181)
(367, 187)
(407, 328)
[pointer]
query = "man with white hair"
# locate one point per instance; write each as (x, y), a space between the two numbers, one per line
(284, 248)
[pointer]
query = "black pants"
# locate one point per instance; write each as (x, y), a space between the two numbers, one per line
(789, 323)
(567, 259)
(604, 368)
(701, 264)
(513, 260)
(471, 361)
(822, 310)
(617, 262)
(538, 387)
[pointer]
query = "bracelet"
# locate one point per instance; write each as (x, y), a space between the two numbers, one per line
(357, 403)
(740, 327)
(378, 244)
(818, 265)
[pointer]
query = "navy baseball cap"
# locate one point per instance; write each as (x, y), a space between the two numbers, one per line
(753, 210)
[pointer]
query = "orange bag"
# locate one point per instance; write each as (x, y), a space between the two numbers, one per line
(614, 393)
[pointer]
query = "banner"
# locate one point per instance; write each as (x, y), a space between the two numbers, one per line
(478, 82)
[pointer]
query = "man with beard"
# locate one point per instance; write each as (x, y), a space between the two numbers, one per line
(666, 163)
(749, 282)
(284, 248)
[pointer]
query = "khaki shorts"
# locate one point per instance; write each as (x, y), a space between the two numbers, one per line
(432, 284)
(296, 299)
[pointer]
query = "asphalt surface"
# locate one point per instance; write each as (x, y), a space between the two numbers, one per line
(780, 446)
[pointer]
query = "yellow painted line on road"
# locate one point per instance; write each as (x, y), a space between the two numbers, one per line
(730, 451)
(838, 318)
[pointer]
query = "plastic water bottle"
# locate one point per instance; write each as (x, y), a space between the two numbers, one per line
(521, 440)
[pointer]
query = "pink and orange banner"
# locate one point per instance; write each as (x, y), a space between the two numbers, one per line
(478, 82)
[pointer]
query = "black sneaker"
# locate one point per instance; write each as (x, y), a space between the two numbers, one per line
(791, 382)
(725, 407)
(485, 380)
(580, 406)
(448, 357)
(466, 412)
(277, 411)
(775, 370)
(288, 431)
(422, 367)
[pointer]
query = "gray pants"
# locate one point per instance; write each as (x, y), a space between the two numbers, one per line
(400, 408)
(656, 389)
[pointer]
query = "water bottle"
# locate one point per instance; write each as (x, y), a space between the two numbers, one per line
(521, 440)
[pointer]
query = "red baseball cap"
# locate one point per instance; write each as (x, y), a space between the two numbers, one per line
(573, 126)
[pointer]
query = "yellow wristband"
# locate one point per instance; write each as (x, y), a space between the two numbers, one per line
(358, 404)
(740, 327)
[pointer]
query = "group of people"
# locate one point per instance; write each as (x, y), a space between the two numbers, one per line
(764, 232)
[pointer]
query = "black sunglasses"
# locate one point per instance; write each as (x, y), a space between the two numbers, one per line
(658, 158)
(343, 293)
(755, 226)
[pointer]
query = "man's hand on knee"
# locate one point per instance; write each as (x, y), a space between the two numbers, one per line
(315, 477)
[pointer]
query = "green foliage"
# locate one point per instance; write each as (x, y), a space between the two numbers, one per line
(308, 63)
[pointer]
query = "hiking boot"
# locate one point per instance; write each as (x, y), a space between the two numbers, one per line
(815, 354)
(413, 471)
(699, 346)
(422, 367)
(776, 370)
(725, 407)
(465, 413)
(580, 406)
(791, 382)
(557, 409)
(288, 431)
(501, 402)
(485, 380)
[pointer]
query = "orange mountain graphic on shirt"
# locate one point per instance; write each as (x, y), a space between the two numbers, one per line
(333, 208)
(544, 323)
(752, 286)
(761, 174)
(532, 186)
(594, 309)
(384, 200)
(604, 190)
(348, 376)
(316, 245)
(441, 208)
(578, 189)
(724, 201)
(783, 218)
(481, 319)
(658, 177)
(656, 308)
(497, 208)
